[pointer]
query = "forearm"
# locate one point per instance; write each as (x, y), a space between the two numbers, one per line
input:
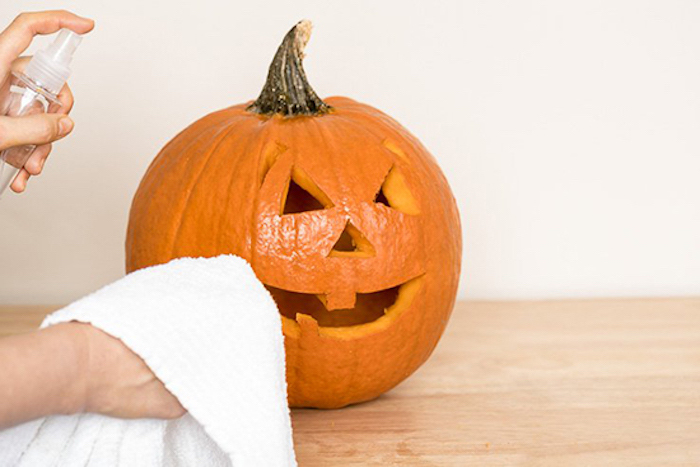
(42, 373)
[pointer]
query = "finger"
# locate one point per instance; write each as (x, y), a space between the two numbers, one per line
(20, 182)
(35, 163)
(33, 129)
(32, 167)
(19, 64)
(65, 97)
(16, 38)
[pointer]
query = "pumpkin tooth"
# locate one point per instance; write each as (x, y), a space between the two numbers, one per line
(340, 300)
(307, 323)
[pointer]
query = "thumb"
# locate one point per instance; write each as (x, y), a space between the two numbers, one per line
(33, 129)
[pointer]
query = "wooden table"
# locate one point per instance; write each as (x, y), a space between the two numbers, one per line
(555, 383)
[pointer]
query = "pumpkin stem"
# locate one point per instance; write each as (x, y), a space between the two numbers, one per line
(287, 91)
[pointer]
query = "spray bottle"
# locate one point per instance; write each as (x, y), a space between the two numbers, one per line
(33, 91)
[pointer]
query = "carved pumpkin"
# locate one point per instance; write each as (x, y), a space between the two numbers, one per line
(342, 213)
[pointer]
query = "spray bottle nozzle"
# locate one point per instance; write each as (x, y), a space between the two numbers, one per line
(49, 67)
(62, 48)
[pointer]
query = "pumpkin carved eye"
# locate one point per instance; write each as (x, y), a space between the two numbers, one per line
(395, 194)
(380, 198)
(302, 194)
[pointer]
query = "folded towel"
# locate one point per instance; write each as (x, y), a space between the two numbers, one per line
(211, 332)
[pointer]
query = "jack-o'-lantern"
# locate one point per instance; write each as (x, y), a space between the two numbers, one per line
(342, 213)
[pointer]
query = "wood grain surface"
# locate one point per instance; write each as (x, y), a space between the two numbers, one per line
(554, 383)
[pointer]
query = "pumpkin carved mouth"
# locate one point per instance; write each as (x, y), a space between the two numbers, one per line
(369, 307)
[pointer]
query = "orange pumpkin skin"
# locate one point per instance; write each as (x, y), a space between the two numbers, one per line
(342, 213)
(218, 188)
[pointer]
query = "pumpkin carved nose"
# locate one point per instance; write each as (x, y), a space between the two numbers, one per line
(352, 244)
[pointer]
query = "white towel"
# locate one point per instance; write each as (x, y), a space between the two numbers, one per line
(211, 332)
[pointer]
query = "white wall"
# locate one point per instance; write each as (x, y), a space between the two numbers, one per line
(570, 131)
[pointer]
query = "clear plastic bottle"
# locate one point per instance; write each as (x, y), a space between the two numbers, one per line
(32, 92)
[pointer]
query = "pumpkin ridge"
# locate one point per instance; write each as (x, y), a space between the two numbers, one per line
(332, 130)
(260, 140)
(328, 139)
(154, 165)
(210, 154)
(161, 164)
(264, 138)
(399, 131)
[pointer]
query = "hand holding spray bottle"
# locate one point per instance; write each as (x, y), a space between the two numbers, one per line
(34, 91)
